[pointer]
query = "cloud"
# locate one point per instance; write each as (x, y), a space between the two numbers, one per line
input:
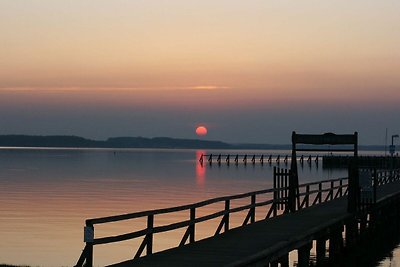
(110, 89)
(209, 87)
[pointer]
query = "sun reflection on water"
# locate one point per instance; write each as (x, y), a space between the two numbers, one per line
(200, 168)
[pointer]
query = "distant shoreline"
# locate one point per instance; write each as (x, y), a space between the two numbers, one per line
(76, 142)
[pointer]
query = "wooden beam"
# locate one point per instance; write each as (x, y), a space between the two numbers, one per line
(325, 139)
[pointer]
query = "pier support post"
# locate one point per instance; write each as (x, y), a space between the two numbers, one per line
(351, 232)
(284, 260)
(353, 187)
(304, 255)
(335, 242)
(363, 226)
(321, 250)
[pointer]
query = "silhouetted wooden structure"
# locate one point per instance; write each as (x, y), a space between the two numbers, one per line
(254, 158)
(293, 215)
(321, 216)
(381, 162)
(328, 161)
(321, 140)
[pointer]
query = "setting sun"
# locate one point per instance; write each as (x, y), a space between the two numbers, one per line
(201, 130)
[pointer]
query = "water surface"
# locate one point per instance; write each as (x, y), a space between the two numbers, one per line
(46, 195)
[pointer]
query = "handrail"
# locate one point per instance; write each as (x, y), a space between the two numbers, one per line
(139, 214)
(325, 181)
(177, 225)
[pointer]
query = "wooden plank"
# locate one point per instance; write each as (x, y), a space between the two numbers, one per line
(325, 139)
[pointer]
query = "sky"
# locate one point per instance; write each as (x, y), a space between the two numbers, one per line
(250, 71)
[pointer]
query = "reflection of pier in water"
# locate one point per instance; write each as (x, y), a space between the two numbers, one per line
(255, 158)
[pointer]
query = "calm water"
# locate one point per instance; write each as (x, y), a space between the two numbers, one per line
(46, 195)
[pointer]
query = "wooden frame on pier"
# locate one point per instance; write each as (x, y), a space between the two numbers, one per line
(323, 139)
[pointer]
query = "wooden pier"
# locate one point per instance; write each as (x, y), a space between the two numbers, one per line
(290, 216)
(322, 215)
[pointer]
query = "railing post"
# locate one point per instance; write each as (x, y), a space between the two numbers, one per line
(253, 209)
(320, 192)
(341, 187)
(332, 186)
(308, 196)
(226, 225)
(88, 238)
(192, 225)
(375, 183)
(150, 226)
(283, 186)
(275, 193)
(379, 177)
(287, 190)
(280, 171)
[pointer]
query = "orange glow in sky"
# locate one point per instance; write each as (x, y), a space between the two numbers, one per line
(204, 45)
(224, 62)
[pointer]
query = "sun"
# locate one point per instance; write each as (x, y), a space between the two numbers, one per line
(201, 131)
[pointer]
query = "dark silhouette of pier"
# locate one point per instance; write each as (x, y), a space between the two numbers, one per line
(254, 158)
(328, 161)
(290, 216)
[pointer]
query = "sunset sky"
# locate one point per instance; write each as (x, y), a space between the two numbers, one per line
(251, 71)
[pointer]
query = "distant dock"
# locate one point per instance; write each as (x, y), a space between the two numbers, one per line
(382, 162)
(253, 158)
(328, 161)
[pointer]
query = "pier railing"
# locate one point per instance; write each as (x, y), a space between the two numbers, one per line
(317, 192)
(274, 199)
(387, 176)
